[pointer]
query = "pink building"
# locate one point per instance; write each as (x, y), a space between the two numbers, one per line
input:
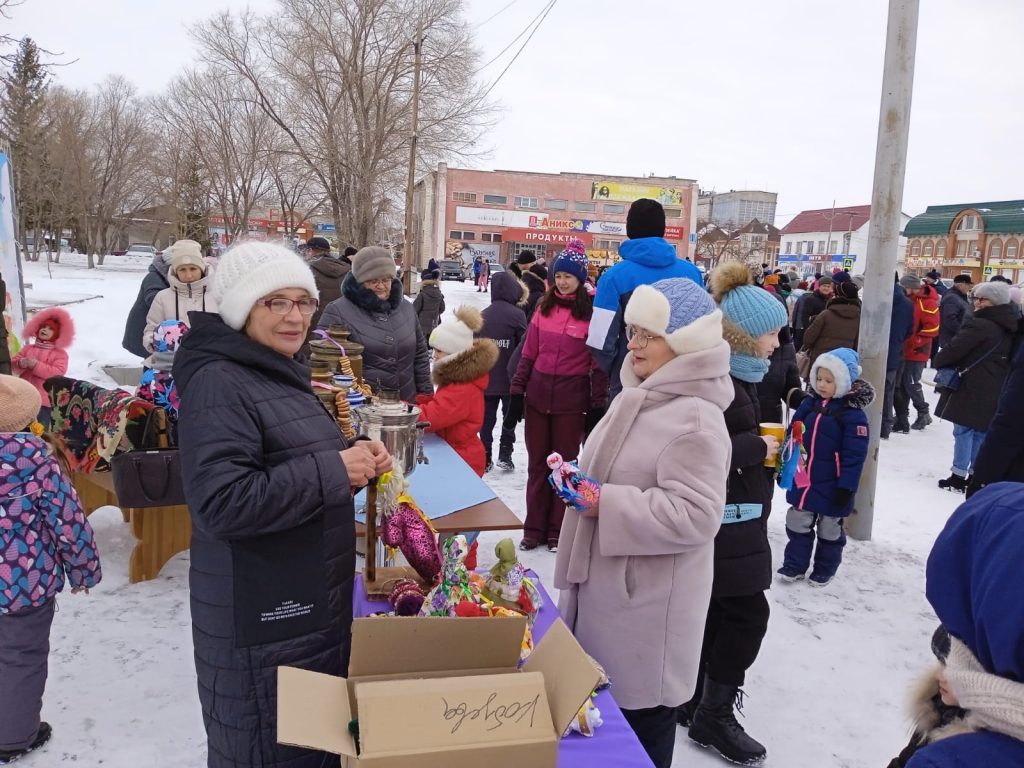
(460, 212)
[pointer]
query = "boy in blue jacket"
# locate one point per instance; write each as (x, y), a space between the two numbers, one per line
(836, 439)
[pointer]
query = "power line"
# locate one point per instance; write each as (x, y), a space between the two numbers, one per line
(543, 12)
(496, 15)
(521, 49)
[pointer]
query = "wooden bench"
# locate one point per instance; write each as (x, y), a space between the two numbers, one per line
(162, 532)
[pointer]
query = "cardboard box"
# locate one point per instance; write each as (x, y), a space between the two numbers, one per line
(442, 692)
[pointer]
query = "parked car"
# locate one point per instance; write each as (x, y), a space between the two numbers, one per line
(495, 269)
(141, 250)
(451, 269)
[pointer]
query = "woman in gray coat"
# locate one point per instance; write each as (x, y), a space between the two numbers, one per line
(269, 481)
(372, 307)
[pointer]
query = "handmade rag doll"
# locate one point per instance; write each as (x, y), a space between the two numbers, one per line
(454, 586)
(577, 489)
(406, 527)
(507, 584)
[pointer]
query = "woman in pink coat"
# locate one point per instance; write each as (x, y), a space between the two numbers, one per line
(635, 570)
(53, 331)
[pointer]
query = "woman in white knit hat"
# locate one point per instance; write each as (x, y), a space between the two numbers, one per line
(269, 481)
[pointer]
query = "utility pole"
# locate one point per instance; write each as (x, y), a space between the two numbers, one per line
(408, 249)
(828, 240)
(886, 205)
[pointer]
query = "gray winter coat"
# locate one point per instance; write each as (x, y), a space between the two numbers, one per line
(395, 354)
(272, 530)
(429, 306)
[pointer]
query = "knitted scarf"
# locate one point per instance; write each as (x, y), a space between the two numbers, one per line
(992, 702)
(748, 367)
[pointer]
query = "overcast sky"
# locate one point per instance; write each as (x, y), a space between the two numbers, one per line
(737, 94)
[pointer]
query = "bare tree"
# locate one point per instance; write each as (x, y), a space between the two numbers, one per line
(336, 78)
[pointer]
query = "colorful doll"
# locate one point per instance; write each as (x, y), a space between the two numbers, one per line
(571, 485)
(406, 527)
(454, 586)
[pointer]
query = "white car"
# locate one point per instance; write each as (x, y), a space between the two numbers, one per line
(141, 251)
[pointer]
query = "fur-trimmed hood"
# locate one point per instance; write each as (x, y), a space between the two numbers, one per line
(931, 720)
(367, 300)
(534, 282)
(466, 367)
(61, 317)
(861, 395)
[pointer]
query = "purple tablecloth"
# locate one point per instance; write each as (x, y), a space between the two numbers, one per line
(613, 744)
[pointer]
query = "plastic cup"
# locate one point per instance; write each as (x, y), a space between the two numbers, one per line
(778, 431)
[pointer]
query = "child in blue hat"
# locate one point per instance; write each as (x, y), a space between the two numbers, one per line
(835, 437)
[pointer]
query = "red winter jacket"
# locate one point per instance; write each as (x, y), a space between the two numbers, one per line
(456, 410)
(918, 348)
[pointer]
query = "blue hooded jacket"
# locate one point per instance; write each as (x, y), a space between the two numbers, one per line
(645, 261)
(901, 327)
(974, 585)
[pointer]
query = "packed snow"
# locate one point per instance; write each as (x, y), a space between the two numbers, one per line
(827, 689)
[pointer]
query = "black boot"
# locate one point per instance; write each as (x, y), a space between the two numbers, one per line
(505, 459)
(684, 714)
(923, 420)
(42, 736)
(902, 425)
(488, 466)
(715, 725)
(954, 483)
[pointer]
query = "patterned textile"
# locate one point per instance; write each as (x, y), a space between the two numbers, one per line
(95, 423)
(43, 531)
(157, 385)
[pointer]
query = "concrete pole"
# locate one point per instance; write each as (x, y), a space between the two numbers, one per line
(408, 247)
(886, 205)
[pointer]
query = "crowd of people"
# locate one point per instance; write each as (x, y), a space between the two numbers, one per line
(661, 388)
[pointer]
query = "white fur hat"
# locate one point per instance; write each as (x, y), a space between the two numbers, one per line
(454, 337)
(251, 270)
(678, 309)
(844, 365)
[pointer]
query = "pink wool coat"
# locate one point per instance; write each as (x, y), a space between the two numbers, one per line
(636, 581)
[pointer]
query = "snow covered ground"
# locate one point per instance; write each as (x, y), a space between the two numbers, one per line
(827, 689)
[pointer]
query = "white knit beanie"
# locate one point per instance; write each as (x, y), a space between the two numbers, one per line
(456, 336)
(187, 252)
(251, 270)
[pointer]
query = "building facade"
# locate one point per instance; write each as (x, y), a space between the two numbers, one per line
(978, 239)
(462, 213)
(824, 239)
(736, 208)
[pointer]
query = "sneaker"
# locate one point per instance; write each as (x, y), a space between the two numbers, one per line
(954, 484)
(922, 421)
(789, 575)
(526, 544)
(506, 465)
(42, 736)
(819, 580)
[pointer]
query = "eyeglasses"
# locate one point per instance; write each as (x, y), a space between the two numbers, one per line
(978, 299)
(640, 336)
(380, 281)
(281, 306)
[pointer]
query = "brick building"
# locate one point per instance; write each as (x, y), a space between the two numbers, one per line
(461, 212)
(979, 239)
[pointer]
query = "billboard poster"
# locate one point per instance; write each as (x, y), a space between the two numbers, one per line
(467, 252)
(627, 193)
(10, 258)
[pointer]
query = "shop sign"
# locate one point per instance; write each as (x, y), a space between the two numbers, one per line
(1007, 262)
(627, 193)
(325, 228)
(545, 236)
(493, 217)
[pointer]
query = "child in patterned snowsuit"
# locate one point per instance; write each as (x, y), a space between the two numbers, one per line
(44, 539)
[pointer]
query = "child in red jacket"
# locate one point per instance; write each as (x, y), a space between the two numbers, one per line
(461, 371)
(46, 356)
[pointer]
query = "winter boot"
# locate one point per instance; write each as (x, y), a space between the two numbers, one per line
(505, 459)
(902, 424)
(488, 464)
(715, 725)
(954, 483)
(922, 421)
(684, 714)
(797, 559)
(827, 557)
(42, 736)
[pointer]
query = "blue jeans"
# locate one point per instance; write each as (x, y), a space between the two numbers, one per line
(966, 444)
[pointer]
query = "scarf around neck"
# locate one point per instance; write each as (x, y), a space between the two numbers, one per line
(992, 702)
(748, 367)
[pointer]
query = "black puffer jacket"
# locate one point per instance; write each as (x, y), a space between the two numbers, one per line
(1001, 457)
(429, 306)
(954, 308)
(396, 354)
(505, 323)
(328, 273)
(273, 535)
(154, 282)
(743, 557)
(5, 352)
(781, 379)
(983, 345)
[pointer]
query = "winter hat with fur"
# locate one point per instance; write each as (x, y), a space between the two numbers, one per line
(678, 309)
(251, 270)
(187, 252)
(372, 263)
(753, 309)
(573, 260)
(844, 365)
(997, 293)
(19, 403)
(455, 337)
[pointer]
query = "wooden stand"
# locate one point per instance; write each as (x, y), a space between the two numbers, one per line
(378, 581)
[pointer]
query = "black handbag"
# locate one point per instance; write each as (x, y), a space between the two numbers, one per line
(949, 378)
(148, 478)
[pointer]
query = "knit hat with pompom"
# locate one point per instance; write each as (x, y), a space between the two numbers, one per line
(454, 337)
(753, 309)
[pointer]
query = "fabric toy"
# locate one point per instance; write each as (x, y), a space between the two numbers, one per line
(406, 597)
(454, 586)
(587, 720)
(507, 584)
(572, 485)
(793, 459)
(406, 527)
